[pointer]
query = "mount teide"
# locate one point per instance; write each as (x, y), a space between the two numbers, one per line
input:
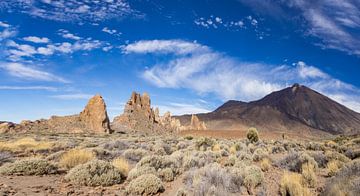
(296, 108)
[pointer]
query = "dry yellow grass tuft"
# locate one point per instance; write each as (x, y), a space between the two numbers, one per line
(216, 147)
(265, 164)
(76, 157)
(25, 145)
(332, 167)
(122, 165)
(292, 184)
(308, 174)
(233, 149)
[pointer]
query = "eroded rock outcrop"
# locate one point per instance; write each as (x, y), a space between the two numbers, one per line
(196, 124)
(93, 119)
(94, 116)
(139, 116)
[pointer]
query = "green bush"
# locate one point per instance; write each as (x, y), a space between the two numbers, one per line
(95, 173)
(252, 135)
(204, 143)
(147, 184)
(166, 174)
(253, 176)
(29, 166)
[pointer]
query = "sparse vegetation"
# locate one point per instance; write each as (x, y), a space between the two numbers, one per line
(252, 135)
(30, 166)
(76, 157)
(25, 145)
(201, 166)
(147, 184)
(95, 173)
(122, 165)
(292, 184)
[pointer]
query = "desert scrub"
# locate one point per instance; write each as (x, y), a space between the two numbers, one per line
(122, 165)
(135, 154)
(292, 184)
(95, 173)
(139, 171)
(333, 167)
(332, 155)
(212, 177)
(346, 181)
(5, 157)
(26, 145)
(166, 174)
(252, 135)
(29, 166)
(265, 164)
(294, 161)
(308, 174)
(260, 153)
(147, 184)
(75, 157)
(116, 145)
(253, 177)
(204, 143)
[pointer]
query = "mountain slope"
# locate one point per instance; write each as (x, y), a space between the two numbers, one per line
(293, 108)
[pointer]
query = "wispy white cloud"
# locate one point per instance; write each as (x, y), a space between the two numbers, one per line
(71, 10)
(334, 22)
(35, 39)
(211, 72)
(111, 31)
(46, 88)
(7, 31)
(182, 108)
(164, 46)
(72, 96)
(67, 35)
(216, 22)
(25, 72)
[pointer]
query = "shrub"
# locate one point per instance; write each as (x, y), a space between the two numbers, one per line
(252, 135)
(139, 171)
(216, 147)
(259, 154)
(188, 137)
(331, 155)
(29, 166)
(308, 174)
(292, 184)
(294, 161)
(5, 157)
(118, 145)
(253, 177)
(212, 177)
(265, 164)
(122, 165)
(147, 184)
(75, 157)
(277, 149)
(95, 173)
(25, 144)
(346, 181)
(319, 157)
(166, 174)
(332, 167)
(204, 143)
(135, 154)
(352, 153)
(181, 192)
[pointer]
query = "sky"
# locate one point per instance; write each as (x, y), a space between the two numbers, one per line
(190, 56)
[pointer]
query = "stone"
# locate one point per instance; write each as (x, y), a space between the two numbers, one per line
(196, 124)
(94, 116)
(140, 116)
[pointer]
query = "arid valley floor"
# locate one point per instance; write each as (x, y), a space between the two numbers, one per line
(52, 164)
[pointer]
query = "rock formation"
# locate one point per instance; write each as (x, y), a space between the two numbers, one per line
(196, 124)
(92, 119)
(139, 116)
(94, 116)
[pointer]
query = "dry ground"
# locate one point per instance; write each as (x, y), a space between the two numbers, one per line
(222, 163)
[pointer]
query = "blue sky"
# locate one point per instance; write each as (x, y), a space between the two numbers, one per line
(190, 56)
